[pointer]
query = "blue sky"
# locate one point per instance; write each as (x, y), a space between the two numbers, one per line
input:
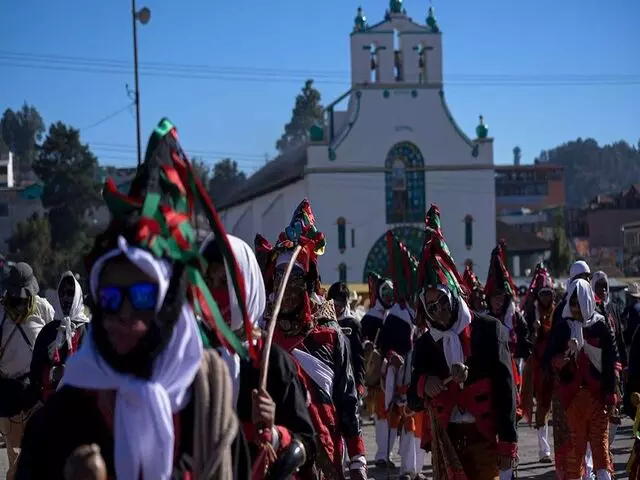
(255, 56)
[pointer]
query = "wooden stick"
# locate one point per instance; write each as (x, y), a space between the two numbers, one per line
(264, 366)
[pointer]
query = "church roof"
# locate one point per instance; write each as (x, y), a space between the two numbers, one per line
(276, 174)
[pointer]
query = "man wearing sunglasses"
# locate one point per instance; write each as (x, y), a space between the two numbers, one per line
(23, 314)
(462, 372)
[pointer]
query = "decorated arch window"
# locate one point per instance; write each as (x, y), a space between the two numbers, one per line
(405, 184)
(342, 272)
(468, 231)
(342, 234)
(378, 258)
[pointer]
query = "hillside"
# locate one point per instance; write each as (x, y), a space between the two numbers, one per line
(591, 169)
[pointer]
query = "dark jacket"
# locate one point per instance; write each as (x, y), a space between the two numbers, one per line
(489, 362)
(633, 379)
(353, 331)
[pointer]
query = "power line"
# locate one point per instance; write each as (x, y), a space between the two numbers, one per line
(123, 148)
(205, 72)
(107, 118)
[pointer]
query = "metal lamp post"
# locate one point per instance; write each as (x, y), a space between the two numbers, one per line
(143, 16)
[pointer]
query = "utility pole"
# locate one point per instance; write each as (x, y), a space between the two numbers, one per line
(143, 16)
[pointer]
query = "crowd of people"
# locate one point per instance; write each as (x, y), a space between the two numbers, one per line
(197, 356)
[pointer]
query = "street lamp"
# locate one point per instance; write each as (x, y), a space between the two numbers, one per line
(143, 16)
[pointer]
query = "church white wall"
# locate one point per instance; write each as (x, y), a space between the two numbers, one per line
(266, 215)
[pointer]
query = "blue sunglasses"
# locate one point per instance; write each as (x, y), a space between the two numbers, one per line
(142, 296)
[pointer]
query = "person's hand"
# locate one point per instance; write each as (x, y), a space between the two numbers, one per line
(506, 462)
(85, 463)
(459, 372)
(573, 347)
(396, 360)
(433, 386)
(263, 411)
(368, 347)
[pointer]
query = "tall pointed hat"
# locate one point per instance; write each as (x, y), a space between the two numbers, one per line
(436, 265)
(470, 280)
(499, 279)
(159, 208)
(403, 268)
(378, 287)
(541, 279)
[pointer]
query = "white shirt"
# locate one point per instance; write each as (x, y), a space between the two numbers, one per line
(16, 352)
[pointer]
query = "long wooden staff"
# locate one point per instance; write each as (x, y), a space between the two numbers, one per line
(264, 365)
(267, 452)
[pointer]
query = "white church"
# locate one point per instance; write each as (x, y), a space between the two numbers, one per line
(381, 161)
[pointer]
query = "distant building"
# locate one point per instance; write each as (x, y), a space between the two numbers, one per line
(536, 187)
(7, 178)
(540, 222)
(631, 249)
(524, 249)
(601, 226)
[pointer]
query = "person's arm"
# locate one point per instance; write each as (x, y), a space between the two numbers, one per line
(504, 392)
(292, 416)
(610, 362)
(40, 456)
(357, 354)
(345, 398)
(633, 376)
(40, 361)
(523, 345)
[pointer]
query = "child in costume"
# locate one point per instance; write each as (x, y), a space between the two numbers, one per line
(144, 392)
(462, 374)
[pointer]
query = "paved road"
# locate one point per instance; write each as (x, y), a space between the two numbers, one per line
(529, 466)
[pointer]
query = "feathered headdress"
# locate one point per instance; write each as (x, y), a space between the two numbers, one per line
(403, 269)
(470, 280)
(161, 202)
(303, 231)
(436, 265)
(499, 279)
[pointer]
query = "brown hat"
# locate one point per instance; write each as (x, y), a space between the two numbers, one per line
(21, 282)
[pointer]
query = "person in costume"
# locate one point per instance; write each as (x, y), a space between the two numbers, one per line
(59, 339)
(145, 393)
(477, 298)
(396, 345)
(339, 294)
(610, 311)
(632, 405)
(537, 384)
(23, 315)
(501, 294)
(281, 409)
(462, 374)
(584, 357)
(380, 300)
(321, 352)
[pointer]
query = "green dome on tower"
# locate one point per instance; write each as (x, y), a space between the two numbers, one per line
(482, 130)
(395, 6)
(360, 21)
(431, 21)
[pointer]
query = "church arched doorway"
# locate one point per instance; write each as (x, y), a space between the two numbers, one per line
(378, 257)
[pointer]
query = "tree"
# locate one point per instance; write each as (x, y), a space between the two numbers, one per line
(307, 112)
(69, 171)
(31, 243)
(201, 169)
(227, 177)
(591, 169)
(561, 256)
(22, 131)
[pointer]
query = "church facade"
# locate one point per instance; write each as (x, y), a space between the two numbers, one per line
(380, 162)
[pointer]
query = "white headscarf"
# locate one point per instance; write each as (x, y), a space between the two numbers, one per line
(143, 423)
(587, 303)
(255, 295)
(76, 316)
(453, 352)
